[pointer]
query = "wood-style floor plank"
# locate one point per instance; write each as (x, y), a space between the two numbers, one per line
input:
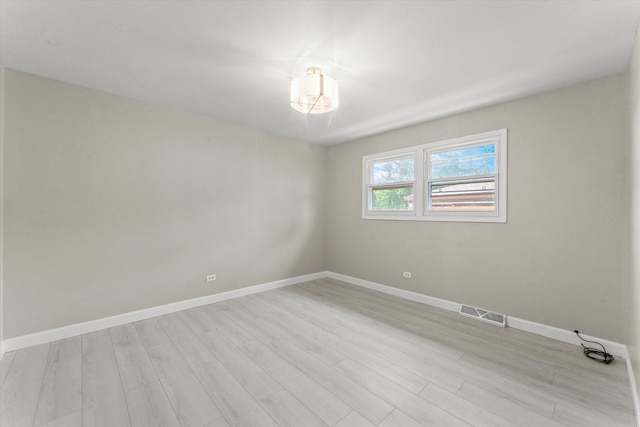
(320, 353)
(72, 420)
(398, 419)
(411, 404)
(504, 405)
(354, 419)
(221, 422)
(249, 321)
(235, 403)
(463, 408)
(191, 403)
(146, 400)
(103, 400)
(61, 392)
(22, 385)
(253, 378)
(429, 371)
(292, 330)
(134, 365)
(287, 411)
(357, 397)
(5, 364)
(148, 406)
(390, 370)
(322, 402)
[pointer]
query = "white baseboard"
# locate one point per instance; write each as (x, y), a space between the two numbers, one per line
(558, 334)
(563, 335)
(513, 322)
(16, 343)
(413, 296)
(634, 388)
(51, 335)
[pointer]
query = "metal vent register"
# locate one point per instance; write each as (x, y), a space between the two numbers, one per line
(485, 315)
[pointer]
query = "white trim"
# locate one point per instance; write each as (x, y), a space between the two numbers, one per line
(420, 212)
(563, 335)
(634, 388)
(413, 296)
(552, 332)
(512, 322)
(368, 161)
(51, 335)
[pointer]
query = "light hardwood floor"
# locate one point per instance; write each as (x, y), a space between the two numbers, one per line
(321, 353)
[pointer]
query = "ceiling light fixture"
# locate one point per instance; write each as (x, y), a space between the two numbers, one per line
(314, 93)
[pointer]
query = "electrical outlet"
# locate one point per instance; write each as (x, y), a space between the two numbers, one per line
(211, 277)
(406, 275)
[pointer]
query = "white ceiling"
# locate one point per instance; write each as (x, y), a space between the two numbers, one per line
(396, 62)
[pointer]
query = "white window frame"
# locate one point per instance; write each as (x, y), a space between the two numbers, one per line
(422, 181)
(369, 186)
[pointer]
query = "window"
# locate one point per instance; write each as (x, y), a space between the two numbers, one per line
(462, 179)
(392, 183)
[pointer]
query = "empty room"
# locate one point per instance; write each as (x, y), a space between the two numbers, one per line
(319, 213)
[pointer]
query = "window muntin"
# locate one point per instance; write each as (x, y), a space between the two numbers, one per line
(462, 179)
(391, 183)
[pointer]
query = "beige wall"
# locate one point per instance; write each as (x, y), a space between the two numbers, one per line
(561, 258)
(633, 339)
(114, 205)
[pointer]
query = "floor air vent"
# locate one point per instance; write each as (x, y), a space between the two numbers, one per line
(480, 314)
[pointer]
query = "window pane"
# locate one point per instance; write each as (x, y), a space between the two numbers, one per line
(392, 199)
(390, 171)
(478, 160)
(463, 195)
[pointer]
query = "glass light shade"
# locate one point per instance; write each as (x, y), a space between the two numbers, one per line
(314, 93)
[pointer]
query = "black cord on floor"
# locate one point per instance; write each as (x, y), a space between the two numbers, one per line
(594, 353)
